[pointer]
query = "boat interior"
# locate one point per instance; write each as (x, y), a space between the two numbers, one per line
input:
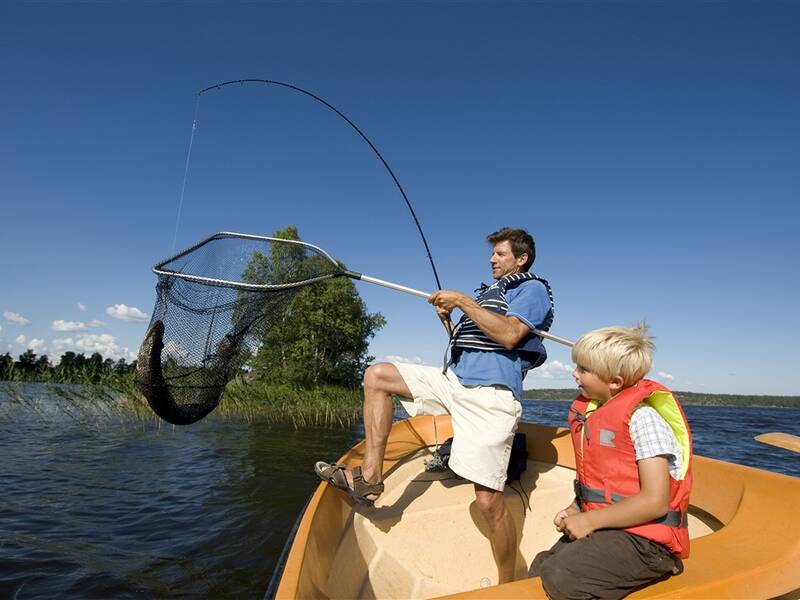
(424, 538)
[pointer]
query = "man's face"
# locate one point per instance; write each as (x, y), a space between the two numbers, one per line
(503, 261)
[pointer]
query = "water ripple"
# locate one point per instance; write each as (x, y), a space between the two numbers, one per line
(100, 510)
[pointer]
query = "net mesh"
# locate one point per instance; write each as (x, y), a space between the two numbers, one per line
(215, 304)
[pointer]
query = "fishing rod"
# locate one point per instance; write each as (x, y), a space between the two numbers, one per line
(349, 121)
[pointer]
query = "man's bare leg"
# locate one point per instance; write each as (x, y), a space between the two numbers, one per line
(381, 381)
(502, 530)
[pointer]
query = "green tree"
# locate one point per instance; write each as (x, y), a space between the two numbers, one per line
(27, 362)
(68, 360)
(42, 364)
(322, 337)
(6, 367)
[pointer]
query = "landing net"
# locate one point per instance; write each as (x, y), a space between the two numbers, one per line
(215, 303)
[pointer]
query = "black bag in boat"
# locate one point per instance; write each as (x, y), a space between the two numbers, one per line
(517, 462)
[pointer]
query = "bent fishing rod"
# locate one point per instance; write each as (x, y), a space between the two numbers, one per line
(339, 113)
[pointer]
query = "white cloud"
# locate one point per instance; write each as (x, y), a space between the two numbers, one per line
(415, 360)
(552, 370)
(662, 376)
(37, 345)
(17, 318)
(127, 313)
(61, 325)
(21, 339)
(97, 323)
(81, 306)
(89, 343)
(176, 351)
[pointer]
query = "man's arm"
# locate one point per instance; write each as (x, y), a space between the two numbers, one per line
(507, 331)
(650, 503)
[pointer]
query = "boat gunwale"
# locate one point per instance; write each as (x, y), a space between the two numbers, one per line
(749, 490)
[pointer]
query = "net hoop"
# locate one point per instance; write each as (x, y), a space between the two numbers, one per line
(239, 285)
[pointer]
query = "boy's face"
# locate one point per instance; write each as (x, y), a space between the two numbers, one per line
(594, 387)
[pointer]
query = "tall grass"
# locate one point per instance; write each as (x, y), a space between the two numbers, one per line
(118, 400)
(327, 406)
(90, 405)
(87, 374)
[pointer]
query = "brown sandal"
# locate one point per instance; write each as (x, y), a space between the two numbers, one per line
(334, 475)
(362, 488)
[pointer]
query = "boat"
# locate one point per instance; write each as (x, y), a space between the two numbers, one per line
(424, 538)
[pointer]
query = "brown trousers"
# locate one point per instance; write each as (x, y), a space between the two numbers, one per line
(607, 564)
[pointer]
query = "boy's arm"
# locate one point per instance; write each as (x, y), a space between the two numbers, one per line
(650, 503)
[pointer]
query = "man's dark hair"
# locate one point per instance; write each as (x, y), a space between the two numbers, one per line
(521, 243)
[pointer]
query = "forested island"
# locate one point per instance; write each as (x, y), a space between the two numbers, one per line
(71, 368)
(75, 368)
(684, 397)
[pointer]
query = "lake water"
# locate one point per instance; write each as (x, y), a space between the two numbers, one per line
(121, 510)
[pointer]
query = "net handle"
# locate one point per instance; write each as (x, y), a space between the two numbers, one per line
(160, 270)
(401, 288)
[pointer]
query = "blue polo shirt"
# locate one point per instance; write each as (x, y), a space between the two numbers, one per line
(529, 303)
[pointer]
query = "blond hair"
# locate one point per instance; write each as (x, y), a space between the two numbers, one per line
(612, 351)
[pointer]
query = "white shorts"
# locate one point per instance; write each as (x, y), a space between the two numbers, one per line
(484, 420)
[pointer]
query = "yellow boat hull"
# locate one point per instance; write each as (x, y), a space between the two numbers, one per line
(424, 538)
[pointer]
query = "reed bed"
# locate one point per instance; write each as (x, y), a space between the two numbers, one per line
(326, 406)
(90, 405)
(118, 401)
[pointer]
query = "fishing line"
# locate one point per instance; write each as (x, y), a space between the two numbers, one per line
(340, 114)
(185, 174)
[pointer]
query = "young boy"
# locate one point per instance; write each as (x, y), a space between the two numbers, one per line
(633, 452)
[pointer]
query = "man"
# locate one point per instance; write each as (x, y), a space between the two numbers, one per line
(492, 348)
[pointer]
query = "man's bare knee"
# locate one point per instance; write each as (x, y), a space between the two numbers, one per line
(385, 377)
(490, 502)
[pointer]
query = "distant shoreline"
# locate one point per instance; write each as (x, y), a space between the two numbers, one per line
(693, 398)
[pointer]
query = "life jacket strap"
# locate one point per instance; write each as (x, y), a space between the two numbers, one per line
(586, 494)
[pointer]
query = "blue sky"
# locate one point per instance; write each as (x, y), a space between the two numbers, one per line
(652, 149)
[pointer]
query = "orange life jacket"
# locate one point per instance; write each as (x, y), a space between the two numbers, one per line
(605, 459)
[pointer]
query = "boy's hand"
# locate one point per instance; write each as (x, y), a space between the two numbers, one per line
(578, 526)
(558, 520)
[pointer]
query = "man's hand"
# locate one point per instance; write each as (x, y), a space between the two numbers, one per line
(507, 331)
(444, 317)
(444, 314)
(444, 301)
(447, 300)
